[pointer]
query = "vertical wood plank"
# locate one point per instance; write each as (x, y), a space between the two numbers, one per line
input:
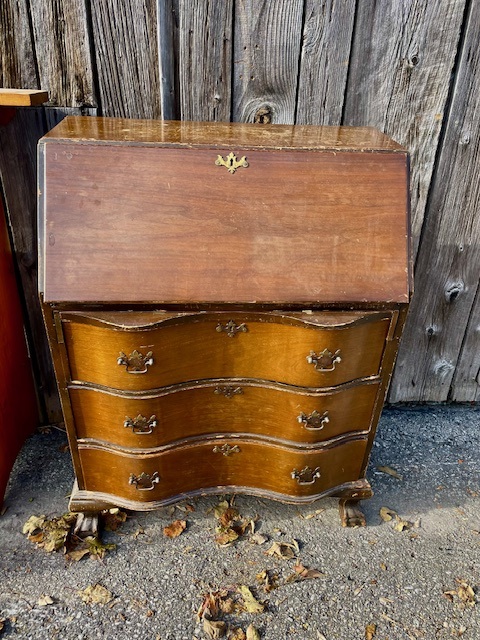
(62, 43)
(466, 382)
(126, 50)
(167, 24)
(205, 59)
(266, 59)
(327, 37)
(448, 266)
(402, 58)
(17, 55)
(18, 141)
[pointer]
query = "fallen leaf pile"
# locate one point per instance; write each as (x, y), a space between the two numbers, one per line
(230, 525)
(95, 594)
(388, 515)
(57, 534)
(464, 593)
(231, 600)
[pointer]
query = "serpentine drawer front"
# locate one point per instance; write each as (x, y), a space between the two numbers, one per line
(224, 304)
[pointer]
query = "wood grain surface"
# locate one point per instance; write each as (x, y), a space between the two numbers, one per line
(326, 42)
(126, 48)
(232, 406)
(17, 52)
(196, 350)
(165, 225)
(266, 55)
(205, 59)
(445, 307)
(399, 71)
(185, 469)
(62, 50)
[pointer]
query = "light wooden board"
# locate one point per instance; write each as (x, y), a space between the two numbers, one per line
(126, 48)
(325, 54)
(402, 57)
(266, 58)
(448, 267)
(17, 55)
(62, 45)
(205, 59)
(22, 97)
(18, 173)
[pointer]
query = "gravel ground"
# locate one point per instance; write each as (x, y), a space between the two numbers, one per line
(372, 576)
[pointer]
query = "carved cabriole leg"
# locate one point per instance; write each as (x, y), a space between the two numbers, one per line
(87, 525)
(350, 513)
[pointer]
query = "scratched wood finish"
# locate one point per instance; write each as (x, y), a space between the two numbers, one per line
(265, 67)
(184, 469)
(445, 306)
(196, 350)
(126, 48)
(269, 251)
(232, 406)
(399, 79)
(327, 37)
(205, 59)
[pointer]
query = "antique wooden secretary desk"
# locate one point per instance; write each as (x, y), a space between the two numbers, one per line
(224, 304)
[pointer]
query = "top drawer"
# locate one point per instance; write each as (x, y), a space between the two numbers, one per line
(139, 220)
(147, 350)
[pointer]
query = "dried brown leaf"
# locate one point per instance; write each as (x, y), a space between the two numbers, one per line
(390, 472)
(95, 594)
(307, 574)
(228, 516)
(466, 593)
(220, 509)
(176, 528)
(113, 519)
(77, 554)
(267, 581)
(251, 604)
(387, 514)
(214, 629)
(237, 634)
(225, 537)
(33, 524)
(370, 631)
(227, 605)
(258, 538)
(2, 624)
(44, 601)
(252, 633)
(283, 550)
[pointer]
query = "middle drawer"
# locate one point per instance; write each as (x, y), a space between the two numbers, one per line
(234, 406)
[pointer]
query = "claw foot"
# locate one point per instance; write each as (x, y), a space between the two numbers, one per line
(87, 525)
(350, 514)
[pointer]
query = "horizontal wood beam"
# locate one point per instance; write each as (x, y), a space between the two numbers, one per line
(22, 97)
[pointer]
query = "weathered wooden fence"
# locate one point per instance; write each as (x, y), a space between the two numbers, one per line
(409, 67)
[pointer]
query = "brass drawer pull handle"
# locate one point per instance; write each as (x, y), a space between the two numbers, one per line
(231, 328)
(144, 482)
(136, 362)
(306, 475)
(228, 391)
(315, 421)
(140, 424)
(231, 162)
(226, 449)
(324, 361)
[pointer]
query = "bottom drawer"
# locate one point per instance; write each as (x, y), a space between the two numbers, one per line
(218, 463)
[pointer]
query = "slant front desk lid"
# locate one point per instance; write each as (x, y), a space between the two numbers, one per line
(178, 212)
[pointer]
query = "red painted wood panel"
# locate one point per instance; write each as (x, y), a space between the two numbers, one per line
(18, 404)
